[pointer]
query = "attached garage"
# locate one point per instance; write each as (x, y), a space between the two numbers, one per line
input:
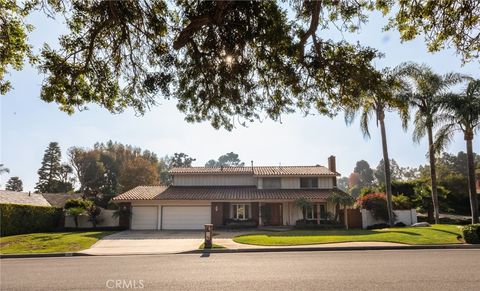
(144, 217)
(185, 217)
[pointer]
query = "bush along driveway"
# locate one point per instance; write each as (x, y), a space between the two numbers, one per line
(435, 235)
(51, 242)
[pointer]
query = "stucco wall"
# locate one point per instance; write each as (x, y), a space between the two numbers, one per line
(106, 220)
(408, 217)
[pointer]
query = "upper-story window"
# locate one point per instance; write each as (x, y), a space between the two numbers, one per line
(272, 183)
(309, 182)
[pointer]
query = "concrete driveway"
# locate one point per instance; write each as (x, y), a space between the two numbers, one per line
(155, 242)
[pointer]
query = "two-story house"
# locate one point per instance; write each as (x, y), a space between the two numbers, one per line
(201, 195)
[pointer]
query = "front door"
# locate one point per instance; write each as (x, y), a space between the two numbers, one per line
(276, 214)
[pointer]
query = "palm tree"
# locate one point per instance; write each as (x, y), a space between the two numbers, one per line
(344, 199)
(381, 99)
(303, 204)
(427, 89)
(461, 112)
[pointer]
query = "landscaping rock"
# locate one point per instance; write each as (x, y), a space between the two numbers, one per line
(421, 224)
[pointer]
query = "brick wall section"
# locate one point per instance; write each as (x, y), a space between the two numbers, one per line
(226, 211)
(255, 211)
(124, 220)
(217, 213)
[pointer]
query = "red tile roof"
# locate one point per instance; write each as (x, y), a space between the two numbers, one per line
(260, 171)
(221, 193)
(141, 193)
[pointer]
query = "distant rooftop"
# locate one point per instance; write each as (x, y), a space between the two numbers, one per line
(259, 170)
(12, 197)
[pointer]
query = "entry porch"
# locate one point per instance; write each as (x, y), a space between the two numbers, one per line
(267, 213)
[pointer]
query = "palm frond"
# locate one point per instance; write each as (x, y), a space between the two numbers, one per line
(420, 129)
(444, 136)
(364, 118)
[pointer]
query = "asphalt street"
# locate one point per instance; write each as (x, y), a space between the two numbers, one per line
(348, 270)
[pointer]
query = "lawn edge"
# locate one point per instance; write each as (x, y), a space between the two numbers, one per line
(42, 255)
(353, 248)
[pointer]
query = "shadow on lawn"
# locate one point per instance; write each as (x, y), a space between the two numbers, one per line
(52, 236)
(445, 231)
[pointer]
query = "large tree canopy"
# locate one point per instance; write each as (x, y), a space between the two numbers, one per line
(219, 59)
(441, 22)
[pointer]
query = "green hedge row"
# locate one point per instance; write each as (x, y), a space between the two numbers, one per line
(471, 233)
(19, 219)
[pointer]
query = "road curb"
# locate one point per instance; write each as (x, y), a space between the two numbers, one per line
(253, 250)
(327, 249)
(49, 255)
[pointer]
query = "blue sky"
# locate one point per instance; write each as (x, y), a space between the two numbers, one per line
(29, 124)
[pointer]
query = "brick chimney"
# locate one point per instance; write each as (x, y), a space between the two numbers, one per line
(332, 166)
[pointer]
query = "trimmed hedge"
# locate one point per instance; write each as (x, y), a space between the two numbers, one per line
(313, 225)
(238, 224)
(20, 219)
(471, 233)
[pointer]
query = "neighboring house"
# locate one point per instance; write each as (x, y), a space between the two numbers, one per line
(201, 195)
(12, 197)
(59, 199)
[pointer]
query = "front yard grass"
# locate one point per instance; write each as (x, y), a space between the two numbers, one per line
(50, 242)
(437, 234)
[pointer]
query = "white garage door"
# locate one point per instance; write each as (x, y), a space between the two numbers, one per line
(185, 217)
(144, 217)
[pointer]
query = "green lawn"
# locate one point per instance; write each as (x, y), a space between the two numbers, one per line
(214, 246)
(51, 242)
(437, 234)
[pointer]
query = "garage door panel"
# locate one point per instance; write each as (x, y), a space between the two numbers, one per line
(185, 217)
(144, 217)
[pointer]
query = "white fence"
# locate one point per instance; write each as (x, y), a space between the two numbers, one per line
(105, 220)
(408, 217)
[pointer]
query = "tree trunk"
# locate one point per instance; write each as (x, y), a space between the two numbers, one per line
(345, 216)
(471, 179)
(433, 176)
(388, 176)
(337, 211)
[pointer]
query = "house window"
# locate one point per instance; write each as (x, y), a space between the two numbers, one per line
(310, 182)
(312, 212)
(316, 209)
(272, 183)
(240, 211)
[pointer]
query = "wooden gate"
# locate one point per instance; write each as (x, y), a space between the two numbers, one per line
(354, 218)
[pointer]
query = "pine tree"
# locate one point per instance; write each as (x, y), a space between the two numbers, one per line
(50, 172)
(14, 184)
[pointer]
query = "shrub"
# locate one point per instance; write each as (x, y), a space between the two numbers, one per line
(233, 223)
(93, 212)
(400, 224)
(471, 233)
(401, 202)
(312, 224)
(376, 203)
(77, 203)
(20, 219)
(378, 226)
(75, 212)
